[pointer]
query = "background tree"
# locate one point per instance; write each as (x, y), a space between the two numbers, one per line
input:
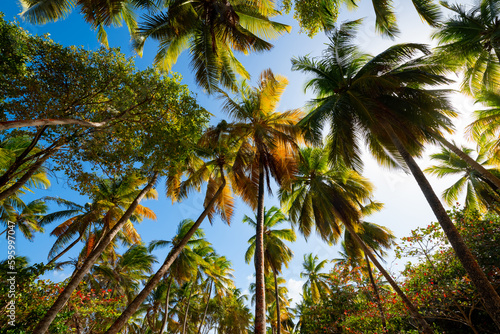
(98, 14)
(469, 42)
(276, 252)
(480, 194)
(268, 150)
(394, 95)
(316, 284)
(211, 31)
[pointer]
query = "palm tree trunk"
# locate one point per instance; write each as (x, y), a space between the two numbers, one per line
(64, 296)
(424, 326)
(65, 250)
(164, 323)
(260, 293)
(377, 296)
(486, 290)
(174, 253)
(206, 308)
(278, 313)
(187, 307)
(471, 162)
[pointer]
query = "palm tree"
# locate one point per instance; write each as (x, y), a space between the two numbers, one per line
(481, 195)
(470, 41)
(78, 275)
(327, 199)
(317, 282)
(276, 252)
(26, 217)
(99, 14)
(201, 251)
(124, 274)
(385, 18)
(219, 276)
(485, 127)
(217, 146)
(211, 30)
(377, 238)
(268, 150)
(236, 316)
(183, 267)
(92, 221)
(381, 100)
(276, 297)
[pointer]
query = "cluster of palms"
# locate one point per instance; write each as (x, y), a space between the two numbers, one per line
(389, 102)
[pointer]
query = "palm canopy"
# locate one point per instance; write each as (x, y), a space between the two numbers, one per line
(99, 14)
(375, 236)
(110, 199)
(480, 194)
(276, 252)
(317, 282)
(470, 40)
(212, 163)
(268, 138)
(211, 31)
(322, 197)
(124, 274)
(368, 98)
(185, 266)
(270, 287)
(487, 121)
(27, 217)
(268, 150)
(385, 17)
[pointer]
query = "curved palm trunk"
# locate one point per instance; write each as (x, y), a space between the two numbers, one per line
(188, 303)
(260, 293)
(486, 290)
(377, 295)
(278, 313)
(153, 282)
(65, 250)
(164, 323)
(424, 326)
(64, 296)
(471, 162)
(206, 308)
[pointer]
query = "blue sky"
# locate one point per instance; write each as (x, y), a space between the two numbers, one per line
(405, 206)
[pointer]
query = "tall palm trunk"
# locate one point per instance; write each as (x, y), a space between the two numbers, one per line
(188, 303)
(278, 313)
(486, 290)
(260, 293)
(164, 323)
(424, 326)
(377, 295)
(64, 296)
(174, 253)
(206, 308)
(471, 162)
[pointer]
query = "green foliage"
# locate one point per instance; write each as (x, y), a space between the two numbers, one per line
(312, 15)
(107, 116)
(436, 283)
(87, 308)
(12, 52)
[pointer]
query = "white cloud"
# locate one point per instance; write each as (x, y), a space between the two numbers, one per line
(295, 290)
